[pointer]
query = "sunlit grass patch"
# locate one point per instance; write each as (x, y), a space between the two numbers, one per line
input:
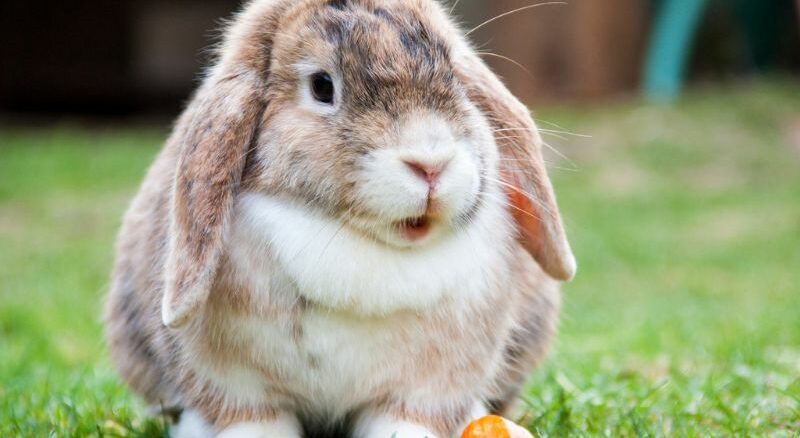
(684, 319)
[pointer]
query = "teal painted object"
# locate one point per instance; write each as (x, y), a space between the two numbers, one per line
(670, 46)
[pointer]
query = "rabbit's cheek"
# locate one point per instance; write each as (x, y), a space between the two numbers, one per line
(459, 185)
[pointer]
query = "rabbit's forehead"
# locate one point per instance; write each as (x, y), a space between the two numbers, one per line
(382, 51)
(378, 40)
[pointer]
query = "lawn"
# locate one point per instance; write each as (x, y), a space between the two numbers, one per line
(684, 319)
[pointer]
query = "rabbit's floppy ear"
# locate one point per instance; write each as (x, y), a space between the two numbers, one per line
(213, 138)
(531, 198)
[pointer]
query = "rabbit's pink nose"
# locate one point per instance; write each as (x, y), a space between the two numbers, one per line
(427, 171)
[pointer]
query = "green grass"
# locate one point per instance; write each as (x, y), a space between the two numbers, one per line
(684, 319)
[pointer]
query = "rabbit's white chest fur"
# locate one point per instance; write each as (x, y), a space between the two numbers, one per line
(336, 363)
(361, 332)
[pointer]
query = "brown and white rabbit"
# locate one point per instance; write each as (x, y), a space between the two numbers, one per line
(338, 234)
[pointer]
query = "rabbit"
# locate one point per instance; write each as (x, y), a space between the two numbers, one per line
(349, 231)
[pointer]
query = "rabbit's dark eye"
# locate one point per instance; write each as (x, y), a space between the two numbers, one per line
(322, 87)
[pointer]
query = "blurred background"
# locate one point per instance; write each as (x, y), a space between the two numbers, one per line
(129, 57)
(673, 142)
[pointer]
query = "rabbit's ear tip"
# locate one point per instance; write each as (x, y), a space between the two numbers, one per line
(567, 267)
(540, 230)
(175, 316)
(169, 318)
(553, 253)
(174, 321)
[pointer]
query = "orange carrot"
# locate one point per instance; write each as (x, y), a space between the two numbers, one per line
(490, 426)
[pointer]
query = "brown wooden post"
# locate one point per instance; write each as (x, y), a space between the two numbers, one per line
(583, 49)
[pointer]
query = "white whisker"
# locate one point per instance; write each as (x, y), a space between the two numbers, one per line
(491, 20)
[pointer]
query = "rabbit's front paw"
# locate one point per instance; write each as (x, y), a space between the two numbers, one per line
(384, 427)
(283, 427)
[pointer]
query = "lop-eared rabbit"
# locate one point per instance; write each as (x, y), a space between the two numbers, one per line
(350, 230)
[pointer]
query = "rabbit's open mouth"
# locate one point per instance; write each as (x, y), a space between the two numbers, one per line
(415, 228)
